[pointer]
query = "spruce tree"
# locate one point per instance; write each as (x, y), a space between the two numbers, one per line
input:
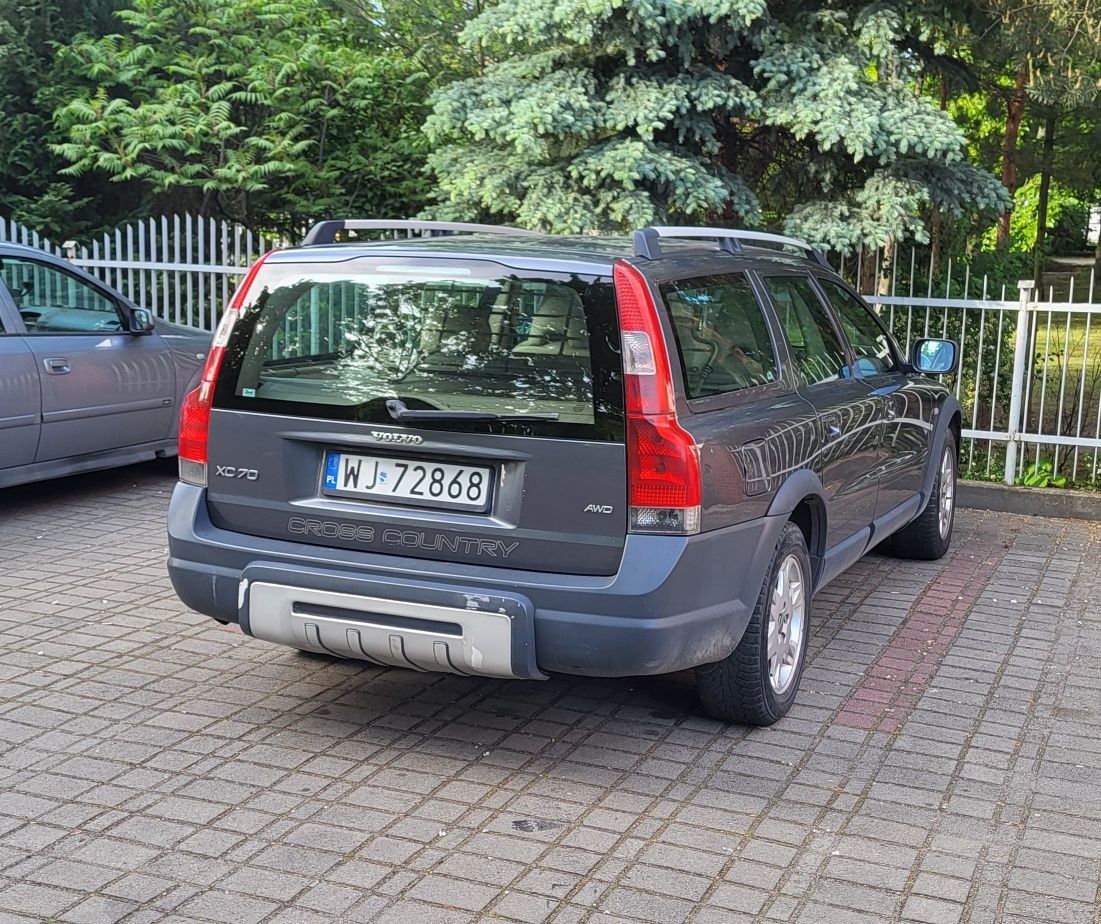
(613, 114)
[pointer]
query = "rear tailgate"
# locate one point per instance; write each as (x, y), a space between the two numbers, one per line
(303, 447)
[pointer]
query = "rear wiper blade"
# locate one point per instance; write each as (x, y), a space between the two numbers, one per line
(400, 412)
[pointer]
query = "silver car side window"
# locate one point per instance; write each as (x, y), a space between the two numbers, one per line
(50, 300)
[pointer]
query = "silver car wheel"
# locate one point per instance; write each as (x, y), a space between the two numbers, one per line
(947, 500)
(787, 621)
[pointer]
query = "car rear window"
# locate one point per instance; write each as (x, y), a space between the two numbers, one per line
(721, 334)
(337, 340)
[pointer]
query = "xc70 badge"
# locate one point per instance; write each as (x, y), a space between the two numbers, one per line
(405, 439)
(231, 471)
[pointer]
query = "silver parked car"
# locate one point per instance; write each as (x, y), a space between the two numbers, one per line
(88, 380)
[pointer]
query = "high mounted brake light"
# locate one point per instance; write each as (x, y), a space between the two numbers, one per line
(663, 464)
(195, 412)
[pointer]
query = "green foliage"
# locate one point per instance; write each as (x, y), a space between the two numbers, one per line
(606, 114)
(268, 112)
(1023, 220)
(31, 191)
(424, 32)
(1056, 42)
(1041, 475)
(851, 123)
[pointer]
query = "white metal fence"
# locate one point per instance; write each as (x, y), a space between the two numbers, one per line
(1030, 374)
(181, 267)
(1029, 381)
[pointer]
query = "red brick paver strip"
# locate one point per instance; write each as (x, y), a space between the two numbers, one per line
(886, 696)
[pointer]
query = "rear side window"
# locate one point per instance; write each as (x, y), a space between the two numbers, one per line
(337, 340)
(867, 337)
(813, 341)
(721, 334)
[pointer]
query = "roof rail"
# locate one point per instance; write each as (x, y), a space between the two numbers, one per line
(647, 240)
(325, 232)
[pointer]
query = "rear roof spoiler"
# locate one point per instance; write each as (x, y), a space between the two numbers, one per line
(647, 241)
(325, 232)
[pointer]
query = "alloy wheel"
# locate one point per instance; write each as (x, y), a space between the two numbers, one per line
(947, 499)
(787, 620)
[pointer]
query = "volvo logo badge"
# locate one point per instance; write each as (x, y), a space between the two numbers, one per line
(403, 439)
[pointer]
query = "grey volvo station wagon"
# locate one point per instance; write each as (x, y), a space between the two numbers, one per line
(491, 452)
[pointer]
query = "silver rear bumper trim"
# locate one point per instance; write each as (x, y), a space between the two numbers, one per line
(391, 633)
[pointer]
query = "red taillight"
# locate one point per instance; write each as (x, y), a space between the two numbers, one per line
(194, 422)
(663, 465)
(195, 412)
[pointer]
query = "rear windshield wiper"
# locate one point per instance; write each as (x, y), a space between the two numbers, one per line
(400, 412)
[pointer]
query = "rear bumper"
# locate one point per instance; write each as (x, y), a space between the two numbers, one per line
(675, 603)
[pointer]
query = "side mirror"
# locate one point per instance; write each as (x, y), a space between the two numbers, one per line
(934, 357)
(866, 367)
(141, 321)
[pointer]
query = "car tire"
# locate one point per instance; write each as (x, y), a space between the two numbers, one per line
(757, 682)
(929, 536)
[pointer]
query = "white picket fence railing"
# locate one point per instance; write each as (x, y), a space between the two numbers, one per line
(182, 267)
(1029, 381)
(1030, 373)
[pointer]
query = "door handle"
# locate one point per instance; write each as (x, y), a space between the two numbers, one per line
(57, 365)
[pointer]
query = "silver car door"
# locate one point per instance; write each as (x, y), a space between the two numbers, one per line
(20, 393)
(102, 387)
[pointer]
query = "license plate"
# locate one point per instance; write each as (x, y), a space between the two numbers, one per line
(408, 481)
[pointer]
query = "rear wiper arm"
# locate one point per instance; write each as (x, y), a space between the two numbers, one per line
(400, 412)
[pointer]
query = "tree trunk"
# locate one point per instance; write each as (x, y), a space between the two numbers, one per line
(934, 243)
(478, 42)
(867, 282)
(1041, 206)
(886, 266)
(1014, 113)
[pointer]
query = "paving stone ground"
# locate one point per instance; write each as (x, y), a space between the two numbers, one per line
(943, 763)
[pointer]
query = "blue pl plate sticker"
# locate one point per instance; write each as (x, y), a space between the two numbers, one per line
(332, 470)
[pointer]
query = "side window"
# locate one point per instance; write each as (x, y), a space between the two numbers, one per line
(814, 344)
(867, 336)
(52, 301)
(721, 333)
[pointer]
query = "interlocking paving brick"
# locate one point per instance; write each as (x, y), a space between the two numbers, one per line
(940, 766)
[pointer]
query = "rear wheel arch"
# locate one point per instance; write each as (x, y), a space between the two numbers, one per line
(810, 516)
(802, 500)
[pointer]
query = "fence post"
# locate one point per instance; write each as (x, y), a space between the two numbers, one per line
(1017, 385)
